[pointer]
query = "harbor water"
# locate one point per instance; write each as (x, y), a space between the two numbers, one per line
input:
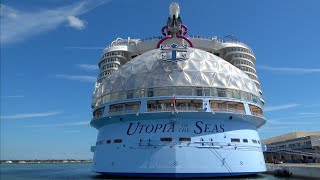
(74, 171)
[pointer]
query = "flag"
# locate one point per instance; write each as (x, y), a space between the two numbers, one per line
(173, 101)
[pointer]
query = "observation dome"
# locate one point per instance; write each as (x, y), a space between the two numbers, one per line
(198, 69)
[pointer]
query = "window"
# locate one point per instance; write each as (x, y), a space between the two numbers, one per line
(227, 106)
(98, 113)
(206, 91)
(130, 94)
(184, 91)
(117, 141)
(180, 105)
(108, 141)
(198, 91)
(184, 139)
(124, 108)
(168, 139)
(150, 92)
(256, 110)
(221, 92)
(245, 140)
(254, 141)
(235, 140)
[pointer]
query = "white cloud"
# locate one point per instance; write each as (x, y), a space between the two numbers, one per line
(85, 47)
(71, 131)
(77, 77)
(19, 25)
(30, 115)
(79, 123)
(290, 69)
(15, 96)
(309, 113)
(299, 117)
(8, 12)
(89, 67)
(300, 123)
(76, 22)
(280, 107)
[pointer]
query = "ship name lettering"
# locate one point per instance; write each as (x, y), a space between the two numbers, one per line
(142, 128)
(211, 128)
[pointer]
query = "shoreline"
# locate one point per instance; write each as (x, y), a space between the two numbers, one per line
(48, 161)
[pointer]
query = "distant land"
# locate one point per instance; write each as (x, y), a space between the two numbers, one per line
(44, 161)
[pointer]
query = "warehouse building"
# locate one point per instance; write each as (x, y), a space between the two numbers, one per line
(294, 147)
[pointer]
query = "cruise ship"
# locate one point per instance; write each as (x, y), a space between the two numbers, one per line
(177, 106)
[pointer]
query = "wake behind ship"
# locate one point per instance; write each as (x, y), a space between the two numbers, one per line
(177, 106)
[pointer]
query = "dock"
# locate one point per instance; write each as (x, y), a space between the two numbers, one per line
(298, 170)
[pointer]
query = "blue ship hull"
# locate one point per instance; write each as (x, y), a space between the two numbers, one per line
(183, 145)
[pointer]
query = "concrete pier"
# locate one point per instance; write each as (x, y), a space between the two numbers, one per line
(298, 170)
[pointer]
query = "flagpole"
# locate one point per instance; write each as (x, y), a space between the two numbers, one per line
(173, 102)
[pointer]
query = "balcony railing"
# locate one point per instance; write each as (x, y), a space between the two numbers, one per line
(177, 108)
(226, 109)
(125, 111)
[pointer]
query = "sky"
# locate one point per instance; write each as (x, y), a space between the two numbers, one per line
(50, 51)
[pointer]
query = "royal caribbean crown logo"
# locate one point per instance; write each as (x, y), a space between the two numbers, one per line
(174, 53)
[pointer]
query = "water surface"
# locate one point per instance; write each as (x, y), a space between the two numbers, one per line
(75, 171)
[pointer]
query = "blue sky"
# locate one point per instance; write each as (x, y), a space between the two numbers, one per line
(50, 50)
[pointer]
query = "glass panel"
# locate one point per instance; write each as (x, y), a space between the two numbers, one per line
(206, 91)
(221, 93)
(165, 91)
(121, 96)
(198, 91)
(184, 91)
(114, 96)
(142, 93)
(137, 93)
(124, 108)
(150, 92)
(130, 94)
(227, 106)
(236, 94)
(214, 92)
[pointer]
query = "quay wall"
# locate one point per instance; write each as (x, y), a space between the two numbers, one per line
(297, 170)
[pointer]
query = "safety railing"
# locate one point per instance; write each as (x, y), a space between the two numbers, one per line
(227, 109)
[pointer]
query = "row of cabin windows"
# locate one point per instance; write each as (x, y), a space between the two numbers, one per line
(247, 69)
(183, 105)
(182, 139)
(169, 139)
(256, 110)
(104, 73)
(258, 86)
(98, 113)
(109, 141)
(252, 77)
(239, 49)
(179, 91)
(163, 139)
(291, 146)
(179, 105)
(109, 66)
(113, 54)
(245, 140)
(124, 108)
(227, 106)
(243, 56)
(108, 61)
(243, 62)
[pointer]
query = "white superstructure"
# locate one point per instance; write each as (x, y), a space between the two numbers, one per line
(177, 106)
